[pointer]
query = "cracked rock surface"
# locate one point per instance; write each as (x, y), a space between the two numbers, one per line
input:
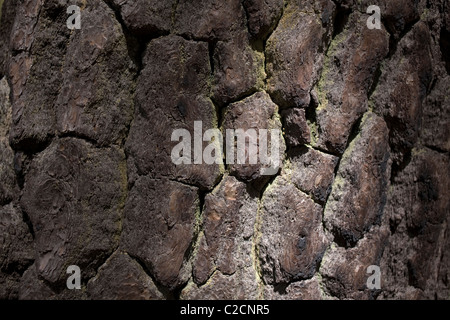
(87, 176)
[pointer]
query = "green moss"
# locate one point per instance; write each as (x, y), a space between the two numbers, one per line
(123, 197)
(1, 5)
(255, 251)
(347, 154)
(416, 152)
(313, 131)
(260, 69)
(326, 80)
(182, 51)
(424, 15)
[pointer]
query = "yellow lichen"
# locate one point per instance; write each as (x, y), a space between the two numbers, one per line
(1, 5)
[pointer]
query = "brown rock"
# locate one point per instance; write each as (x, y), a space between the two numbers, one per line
(228, 225)
(238, 70)
(144, 17)
(297, 132)
(418, 216)
(262, 16)
(15, 239)
(360, 188)
(238, 286)
(345, 271)
(121, 278)
(16, 250)
(32, 288)
(403, 85)
(172, 93)
(35, 73)
(294, 57)
(159, 227)
(255, 112)
(74, 196)
(347, 75)
(8, 186)
(292, 241)
(396, 15)
(312, 172)
(302, 290)
(97, 80)
(210, 19)
(436, 117)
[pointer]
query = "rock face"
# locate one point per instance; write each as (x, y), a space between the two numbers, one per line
(292, 240)
(256, 113)
(75, 204)
(159, 227)
(360, 188)
(113, 149)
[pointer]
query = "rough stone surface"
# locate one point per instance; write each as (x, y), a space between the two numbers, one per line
(297, 131)
(238, 70)
(238, 286)
(294, 55)
(349, 68)
(121, 278)
(421, 225)
(144, 17)
(436, 117)
(312, 172)
(159, 225)
(228, 230)
(403, 86)
(292, 240)
(253, 113)
(172, 92)
(97, 80)
(301, 290)
(262, 16)
(210, 19)
(35, 73)
(88, 175)
(74, 195)
(8, 185)
(361, 184)
(16, 250)
(345, 270)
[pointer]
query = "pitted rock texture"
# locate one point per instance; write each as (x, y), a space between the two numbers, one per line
(293, 241)
(90, 119)
(256, 113)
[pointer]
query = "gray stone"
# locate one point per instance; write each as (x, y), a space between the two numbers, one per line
(292, 241)
(172, 93)
(255, 112)
(228, 224)
(360, 188)
(74, 195)
(121, 278)
(312, 172)
(348, 72)
(159, 226)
